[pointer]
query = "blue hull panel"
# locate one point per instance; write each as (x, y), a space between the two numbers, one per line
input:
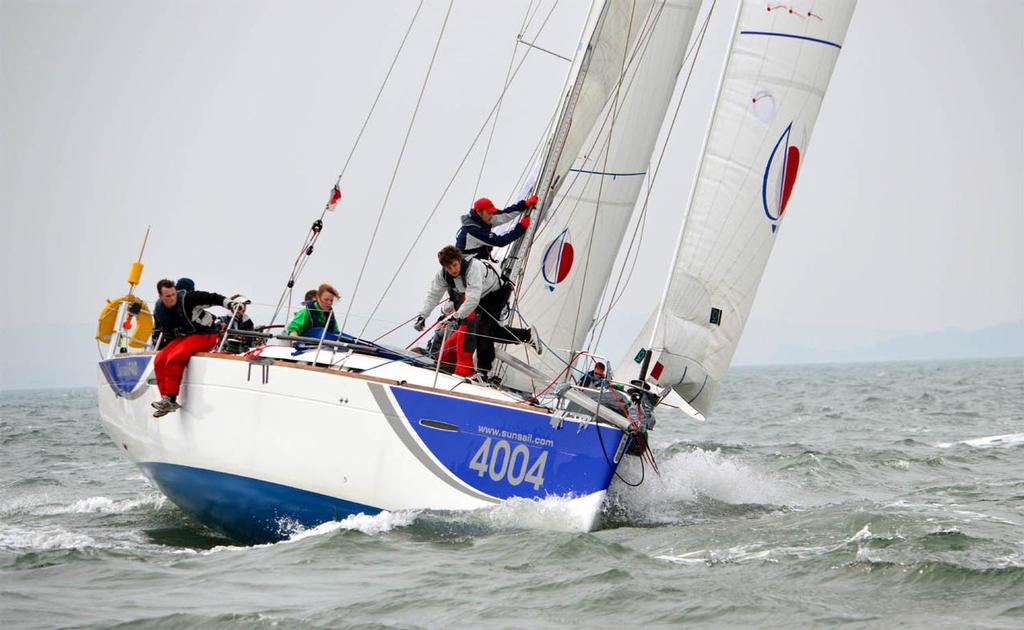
(124, 372)
(507, 452)
(246, 509)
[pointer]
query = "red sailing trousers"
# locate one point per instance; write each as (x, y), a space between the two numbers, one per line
(170, 362)
(454, 351)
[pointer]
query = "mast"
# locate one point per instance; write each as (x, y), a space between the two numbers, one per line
(547, 182)
(599, 171)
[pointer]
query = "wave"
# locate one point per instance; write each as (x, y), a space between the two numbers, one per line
(692, 476)
(993, 441)
(48, 538)
(106, 505)
(763, 552)
(371, 525)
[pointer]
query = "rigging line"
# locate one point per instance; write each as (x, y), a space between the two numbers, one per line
(379, 92)
(693, 186)
(451, 181)
(501, 100)
(398, 162)
(524, 174)
(300, 261)
(545, 50)
(695, 51)
(639, 51)
(544, 220)
(616, 105)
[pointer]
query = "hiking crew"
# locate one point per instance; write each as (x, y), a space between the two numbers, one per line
(475, 237)
(474, 286)
(315, 318)
(186, 328)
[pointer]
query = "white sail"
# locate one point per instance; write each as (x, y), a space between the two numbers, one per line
(779, 64)
(638, 49)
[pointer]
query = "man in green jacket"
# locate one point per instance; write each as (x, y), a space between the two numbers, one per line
(316, 319)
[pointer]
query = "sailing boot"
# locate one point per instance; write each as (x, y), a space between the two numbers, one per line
(163, 411)
(163, 403)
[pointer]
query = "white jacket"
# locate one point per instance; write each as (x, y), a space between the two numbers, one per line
(481, 278)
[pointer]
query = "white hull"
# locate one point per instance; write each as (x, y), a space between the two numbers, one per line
(256, 450)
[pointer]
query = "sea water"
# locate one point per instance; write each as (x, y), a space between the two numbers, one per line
(866, 495)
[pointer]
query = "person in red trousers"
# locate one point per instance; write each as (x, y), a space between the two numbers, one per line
(187, 328)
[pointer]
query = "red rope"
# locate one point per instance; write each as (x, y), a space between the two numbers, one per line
(422, 334)
(396, 328)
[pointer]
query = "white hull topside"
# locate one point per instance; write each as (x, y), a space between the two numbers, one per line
(279, 440)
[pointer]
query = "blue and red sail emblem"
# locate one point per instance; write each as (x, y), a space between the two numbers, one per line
(557, 261)
(779, 176)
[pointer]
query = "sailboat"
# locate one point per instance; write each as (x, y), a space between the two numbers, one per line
(278, 439)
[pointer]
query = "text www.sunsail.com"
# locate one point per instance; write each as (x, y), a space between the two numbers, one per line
(527, 438)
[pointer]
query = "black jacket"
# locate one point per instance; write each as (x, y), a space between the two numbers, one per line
(188, 317)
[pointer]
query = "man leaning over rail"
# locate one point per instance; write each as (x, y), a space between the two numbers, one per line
(189, 329)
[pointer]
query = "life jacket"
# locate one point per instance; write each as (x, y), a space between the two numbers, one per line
(183, 323)
(320, 318)
(458, 297)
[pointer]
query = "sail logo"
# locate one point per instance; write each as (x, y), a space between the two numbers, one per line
(557, 261)
(779, 177)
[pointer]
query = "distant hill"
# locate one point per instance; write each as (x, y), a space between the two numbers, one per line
(785, 344)
(1004, 340)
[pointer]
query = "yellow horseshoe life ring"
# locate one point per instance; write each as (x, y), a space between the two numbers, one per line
(142, 323)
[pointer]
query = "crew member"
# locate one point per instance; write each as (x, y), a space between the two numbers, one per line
(595, 378)
(238, 320)
(187, 329)
(316, 319)
(475, 237)
(475, 286)
(159, 338)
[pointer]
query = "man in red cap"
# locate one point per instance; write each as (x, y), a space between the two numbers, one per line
(475, 237)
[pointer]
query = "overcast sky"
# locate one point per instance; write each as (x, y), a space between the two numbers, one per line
(223, 125)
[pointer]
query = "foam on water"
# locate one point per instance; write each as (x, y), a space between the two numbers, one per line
(105, 505)
(993, 441)
(763, 552)
(374, 525)
(691, 475)
(562, 514)
(45, 538)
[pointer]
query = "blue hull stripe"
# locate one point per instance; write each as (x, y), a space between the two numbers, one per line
(414, 448)
(247, 510)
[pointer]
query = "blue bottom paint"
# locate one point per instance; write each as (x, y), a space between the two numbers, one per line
(247, 510)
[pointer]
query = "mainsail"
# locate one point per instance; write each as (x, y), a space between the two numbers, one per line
(779, 64)
(596, 164)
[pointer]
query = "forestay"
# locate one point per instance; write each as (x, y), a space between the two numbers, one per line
(636, 52)
(778, 67)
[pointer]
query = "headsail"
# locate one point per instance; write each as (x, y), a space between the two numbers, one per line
(637, 50)
(779, 64)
